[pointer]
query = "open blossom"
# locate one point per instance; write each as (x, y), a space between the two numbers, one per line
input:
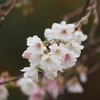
(38, 93)
(31, 72)
(35, 59)
(49, 34)
(26, 85)
(58, 50)
(79, 36)
(3, 92)
(69, 59)
(35, 45)
(50, 63)
(60, 31)
(74, 46)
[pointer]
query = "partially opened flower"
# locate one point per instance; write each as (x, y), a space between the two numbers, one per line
(82, 70)
(83, 77)
(79, 36)
(73, 86)
(3, 92)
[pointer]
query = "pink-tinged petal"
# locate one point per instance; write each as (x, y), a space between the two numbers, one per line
(26, 55)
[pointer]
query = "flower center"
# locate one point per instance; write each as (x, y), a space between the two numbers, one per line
(57, 51)
(48, 59)
(38, 45)
(64, 31)
(67, 57)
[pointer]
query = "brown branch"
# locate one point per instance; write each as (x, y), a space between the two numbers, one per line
(83, 10)
(84, 18)
(95, 23)
(5, 5)
(12, 80)
(7, 12)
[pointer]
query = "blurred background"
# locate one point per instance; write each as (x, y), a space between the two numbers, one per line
(17, 27)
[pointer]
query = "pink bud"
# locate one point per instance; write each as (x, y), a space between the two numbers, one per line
(26, 55)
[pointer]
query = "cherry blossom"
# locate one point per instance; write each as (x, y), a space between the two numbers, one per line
(3, 92)
(58, 50)
(74, 46)
(79, 36)
(31, 72)
(50, 63)
(26, 85)
(69, 59)
(60, 31)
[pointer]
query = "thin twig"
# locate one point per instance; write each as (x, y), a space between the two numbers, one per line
(5, 5)
(95, 23)
(83, 10)
(8, 11)
(84, 18)
(12, 80)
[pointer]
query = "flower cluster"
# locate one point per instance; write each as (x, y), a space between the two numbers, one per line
(60, 51)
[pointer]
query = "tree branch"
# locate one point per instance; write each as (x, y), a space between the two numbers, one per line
(84, 18)
(7, 12)
(83, 10)
(14, 79)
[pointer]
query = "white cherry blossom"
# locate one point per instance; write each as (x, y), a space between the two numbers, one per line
(69, 59)
(49, 34)
(31, 72)
(74, 46)
(35, 59)
(26, 85)
(79, 36)
(63, 31)
(35, 43)
(50, 63)
(59, 51)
